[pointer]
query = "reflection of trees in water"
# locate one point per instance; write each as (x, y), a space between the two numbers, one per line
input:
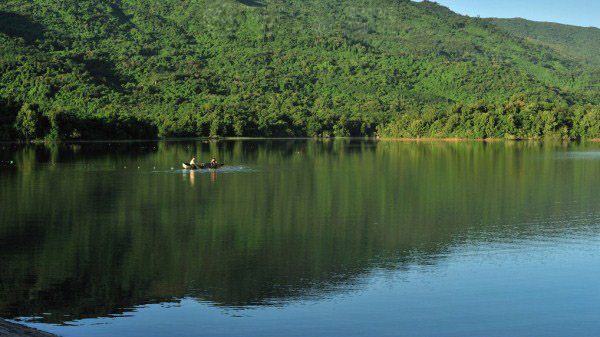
(314, 218)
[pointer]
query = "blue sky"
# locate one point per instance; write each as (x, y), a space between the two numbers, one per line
(575, 12)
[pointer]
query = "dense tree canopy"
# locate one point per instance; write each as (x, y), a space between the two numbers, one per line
(145, 68)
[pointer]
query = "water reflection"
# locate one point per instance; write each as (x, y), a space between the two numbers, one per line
(192, 178)
(81, 237)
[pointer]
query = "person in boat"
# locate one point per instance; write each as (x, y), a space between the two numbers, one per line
(192, 164)
(214, 163)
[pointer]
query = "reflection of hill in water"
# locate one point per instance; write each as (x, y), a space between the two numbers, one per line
(314, 217)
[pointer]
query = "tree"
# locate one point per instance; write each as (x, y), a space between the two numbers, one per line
(28, 122)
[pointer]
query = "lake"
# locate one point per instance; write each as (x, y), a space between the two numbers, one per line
(301, 238)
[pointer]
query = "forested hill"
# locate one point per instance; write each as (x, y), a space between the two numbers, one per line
(74, 69)
(573, 41)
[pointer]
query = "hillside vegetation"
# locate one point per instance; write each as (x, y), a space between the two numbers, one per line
(573, 41)
(394, 68)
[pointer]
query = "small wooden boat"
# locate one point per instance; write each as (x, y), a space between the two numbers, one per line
(200, 166)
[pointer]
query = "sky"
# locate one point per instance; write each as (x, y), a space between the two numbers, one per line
(575, 12)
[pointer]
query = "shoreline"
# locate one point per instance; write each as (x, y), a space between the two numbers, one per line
(452, 140)
(213, 139)
(10, 329)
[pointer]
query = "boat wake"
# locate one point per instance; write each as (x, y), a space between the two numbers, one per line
(224, 169)
(580, 155)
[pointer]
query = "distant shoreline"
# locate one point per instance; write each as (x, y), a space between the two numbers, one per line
(424, 139)
(9, 329)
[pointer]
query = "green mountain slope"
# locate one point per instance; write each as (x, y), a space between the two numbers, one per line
(142, 68)
(574, 41)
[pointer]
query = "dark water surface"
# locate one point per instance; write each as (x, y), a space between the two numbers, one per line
(302, 238)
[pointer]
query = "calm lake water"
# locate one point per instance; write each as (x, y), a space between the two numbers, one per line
(302, 238)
